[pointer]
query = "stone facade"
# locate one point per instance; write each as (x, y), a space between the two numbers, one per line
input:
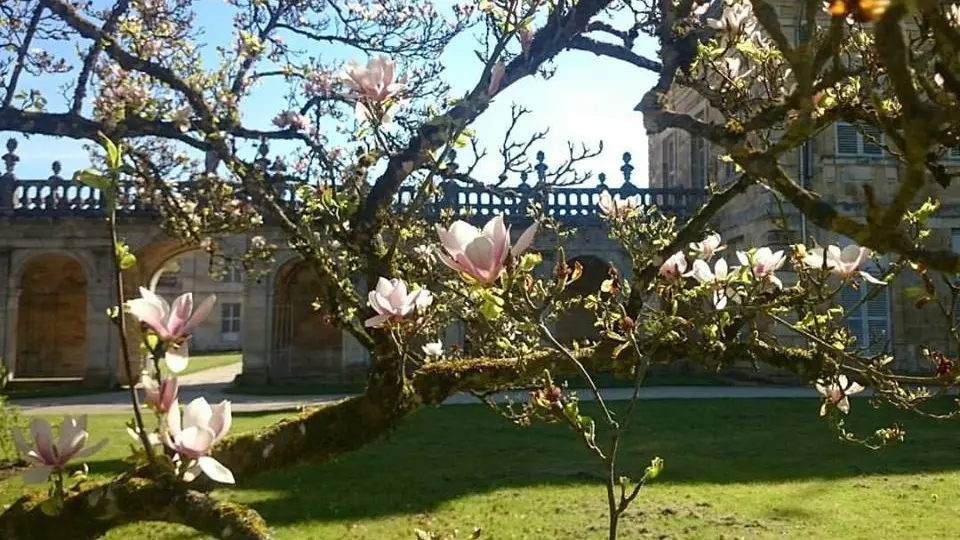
(836, 163)
(55, 285)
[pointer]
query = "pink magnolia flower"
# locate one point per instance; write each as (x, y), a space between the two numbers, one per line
(481, 254)
(764, 263)
(844, 263)
(612, 207)
(496, 75)
(375, 82)
(193, 435)
(391, 301)
(171, 323)
(836, 393)
(674, 267)
(708, 247)
(526, 39)
(160, 396)
(53, 456)
(291, 119)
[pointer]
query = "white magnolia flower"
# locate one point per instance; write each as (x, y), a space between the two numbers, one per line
(434, 349)
(763, 264)
(737, 19)
(612, 207)
(836, 393)
(844, 263)
(718, 278)
(193, 435)
(675, 266)
(702, 273)
(392, 301)
(708, 247)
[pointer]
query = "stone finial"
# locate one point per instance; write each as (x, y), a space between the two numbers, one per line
(541, 167)
(56, 167)
(524, 176)
(11, 158)
(603, 179)
(263, 161)
(502, 178)
(627, 168)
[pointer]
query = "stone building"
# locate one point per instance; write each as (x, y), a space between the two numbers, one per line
(56, 259)
(836, 164)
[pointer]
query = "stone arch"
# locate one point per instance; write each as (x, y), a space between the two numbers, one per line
(577, 323)
(51, 333)
(151, 260)
(303, 343)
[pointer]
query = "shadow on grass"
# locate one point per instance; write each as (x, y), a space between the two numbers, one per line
(444, 453)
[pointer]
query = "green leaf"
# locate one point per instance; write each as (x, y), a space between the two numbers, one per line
(92, 178)
(490, 309)
(529, 261)
(654, 470)
(914, 292)
(113, 152)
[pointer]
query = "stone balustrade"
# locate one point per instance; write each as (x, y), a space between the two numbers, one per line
(57, 196)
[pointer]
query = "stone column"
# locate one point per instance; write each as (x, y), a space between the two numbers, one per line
(10, 331)
(103, 338)
(454, 335)
(9, 300)
(352, 354)
(256, 325)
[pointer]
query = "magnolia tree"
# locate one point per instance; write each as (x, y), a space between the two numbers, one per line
(359, 126)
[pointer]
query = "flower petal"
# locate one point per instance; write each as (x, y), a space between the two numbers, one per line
(222, 419)
(91, 450)
(42, 435)
(197, 413)
(200, 314)
(525, 240)
(215, 470)
(195, 441)
(376, 320)
(150, 315)
(37, 475)
(177, 357)
(180, 313)
(173, 420)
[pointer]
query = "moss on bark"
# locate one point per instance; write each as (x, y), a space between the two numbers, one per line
(95, 508)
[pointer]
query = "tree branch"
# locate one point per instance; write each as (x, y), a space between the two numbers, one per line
(95, 508)
(600, 48)
(80, 92)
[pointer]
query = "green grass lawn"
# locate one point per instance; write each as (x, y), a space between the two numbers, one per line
(603, 380)
(205, 361)
(753, 469)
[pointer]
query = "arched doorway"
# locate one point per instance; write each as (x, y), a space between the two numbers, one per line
(304, 344)
(577, 323)
(52, 318)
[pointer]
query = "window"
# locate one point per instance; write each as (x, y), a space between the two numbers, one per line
(234, 275)
(868, 320)
(851, 142)
(953, 153)
(230, 321)
(668, 158)
(698, 163)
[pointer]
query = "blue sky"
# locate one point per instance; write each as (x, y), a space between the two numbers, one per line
(589, 99)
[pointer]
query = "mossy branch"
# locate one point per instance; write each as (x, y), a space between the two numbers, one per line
(95, 508)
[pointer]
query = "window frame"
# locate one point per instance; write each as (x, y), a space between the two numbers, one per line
(231, 321)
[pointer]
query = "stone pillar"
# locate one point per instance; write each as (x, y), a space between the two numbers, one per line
(256, 335)
(454, 335)
(9, 299)
(9, 350)
(103, 338)
(353, 354)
